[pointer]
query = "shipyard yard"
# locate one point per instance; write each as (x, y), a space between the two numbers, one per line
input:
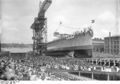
(76, 56)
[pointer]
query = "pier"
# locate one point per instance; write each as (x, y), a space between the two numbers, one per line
(87, 75)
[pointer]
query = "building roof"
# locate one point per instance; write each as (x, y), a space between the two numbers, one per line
(113, 36)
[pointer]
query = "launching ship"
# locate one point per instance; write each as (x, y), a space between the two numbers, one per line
(78, 45)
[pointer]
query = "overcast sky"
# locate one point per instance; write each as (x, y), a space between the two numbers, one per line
(18, 15)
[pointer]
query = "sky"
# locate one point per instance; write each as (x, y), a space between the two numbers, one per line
(75, 15)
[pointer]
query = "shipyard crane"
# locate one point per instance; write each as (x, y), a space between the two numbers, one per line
(40, 29)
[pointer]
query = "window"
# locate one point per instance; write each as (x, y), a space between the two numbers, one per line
(114, 46)
(114, 42)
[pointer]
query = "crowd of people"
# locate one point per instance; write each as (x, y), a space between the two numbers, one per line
(31, 67)
(36, 67)
(20, 69)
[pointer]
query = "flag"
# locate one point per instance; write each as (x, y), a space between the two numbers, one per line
(92, 21)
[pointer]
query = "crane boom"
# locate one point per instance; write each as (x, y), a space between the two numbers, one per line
(45, 5)
(40, 29)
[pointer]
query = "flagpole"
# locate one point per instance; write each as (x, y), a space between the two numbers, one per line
(92, 22)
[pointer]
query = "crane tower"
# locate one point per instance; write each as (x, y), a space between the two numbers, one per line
(39, 27)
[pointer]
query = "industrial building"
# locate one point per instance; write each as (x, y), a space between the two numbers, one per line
(112, 45)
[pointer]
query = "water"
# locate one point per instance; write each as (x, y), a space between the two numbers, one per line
(17, 50)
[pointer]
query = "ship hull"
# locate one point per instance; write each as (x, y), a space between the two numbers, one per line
(77, 53)
(81, 45)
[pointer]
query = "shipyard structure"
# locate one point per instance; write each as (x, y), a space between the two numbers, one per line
(78, 44)
(39, 28)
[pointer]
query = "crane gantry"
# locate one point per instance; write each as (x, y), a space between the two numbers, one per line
(39, 27)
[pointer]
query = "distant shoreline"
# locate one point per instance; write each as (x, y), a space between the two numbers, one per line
(15, 45)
